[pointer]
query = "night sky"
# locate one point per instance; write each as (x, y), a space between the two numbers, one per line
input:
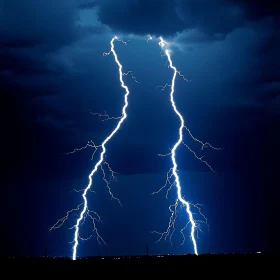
(52, 72)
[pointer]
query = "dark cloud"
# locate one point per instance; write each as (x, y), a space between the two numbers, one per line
(19, 64)
(258, 9)
(140, 17)
(50, 121)
(31, 32)
(210, 17)
(44, 52)
(195, 35)
(169, 17)
(19, 43)
(51, 23)
(269, 92)
(86, 4)
(42, 47)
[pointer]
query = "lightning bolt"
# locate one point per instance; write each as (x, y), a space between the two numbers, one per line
(124, 115)
(85, 211)
(173, 172)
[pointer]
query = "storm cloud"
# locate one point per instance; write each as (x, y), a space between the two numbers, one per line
(51, 52)
(168, 17)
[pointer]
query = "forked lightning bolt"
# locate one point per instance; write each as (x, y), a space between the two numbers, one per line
(124, 115)
(85, 211)
(173, 172)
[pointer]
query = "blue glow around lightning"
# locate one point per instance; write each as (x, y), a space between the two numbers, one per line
(85, 211)
(124, 115)
(173, 171)
(173, 150)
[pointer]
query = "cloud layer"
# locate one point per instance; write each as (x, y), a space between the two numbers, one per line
(51, 57)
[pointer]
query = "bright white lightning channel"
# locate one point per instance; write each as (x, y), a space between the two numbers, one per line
(173, 151)
(101, 159)
(173, 170)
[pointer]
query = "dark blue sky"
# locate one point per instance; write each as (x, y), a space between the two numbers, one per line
(52, 73)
